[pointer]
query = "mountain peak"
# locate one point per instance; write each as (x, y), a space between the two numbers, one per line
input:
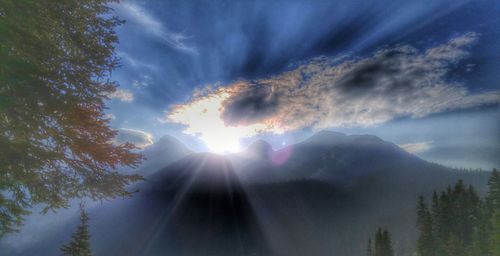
(367, 138)
(161, 153)
(327, 137)
(260, 148)
(168, 139)
(167, 142)
(197, 169)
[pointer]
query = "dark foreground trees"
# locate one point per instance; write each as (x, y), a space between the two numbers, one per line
(80, 243)
(55, 143)
(459, 222)
(382, 246)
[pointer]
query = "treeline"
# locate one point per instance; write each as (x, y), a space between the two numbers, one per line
(458, 222)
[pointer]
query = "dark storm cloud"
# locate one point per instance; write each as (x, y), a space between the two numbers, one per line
(385, 68)
(253, 102)
(391, 83)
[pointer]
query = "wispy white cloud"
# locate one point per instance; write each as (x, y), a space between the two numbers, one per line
(139, 138)
(110, 116)
(122, 95)
(133, 62)
(133, 12)
(393, 82)
(144, 82)
(418, 147)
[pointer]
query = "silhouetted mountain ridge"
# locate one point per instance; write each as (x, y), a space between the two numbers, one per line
(165, 151)
(259, 148)
(323, 196)
(328, 155)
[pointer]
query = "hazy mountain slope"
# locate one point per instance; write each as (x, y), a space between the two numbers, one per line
(326, 155)
(160, 154)
(324, 219)
(195, 206)
(325, 197)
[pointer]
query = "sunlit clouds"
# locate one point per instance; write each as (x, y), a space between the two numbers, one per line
(202, 118)
(393, 82)
(139, 138)
(418, 147)
(122, 95)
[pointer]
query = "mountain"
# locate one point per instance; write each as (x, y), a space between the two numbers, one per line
(342, 159)
(259, 149)
(254, 163)
(198, 170)
(324, 196)
(212, 214)
(325, 155)
(160, 154)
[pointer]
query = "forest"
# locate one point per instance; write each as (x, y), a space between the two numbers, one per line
(457, 222)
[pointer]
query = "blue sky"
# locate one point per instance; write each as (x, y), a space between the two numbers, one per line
(422, 74)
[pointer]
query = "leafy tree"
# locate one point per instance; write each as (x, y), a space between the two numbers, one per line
(56, 58)
(80, 244)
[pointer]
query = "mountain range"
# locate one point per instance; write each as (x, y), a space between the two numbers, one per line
(324, 196)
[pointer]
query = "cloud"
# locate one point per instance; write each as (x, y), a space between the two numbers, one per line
(133, 62)
(202, 118)
(110, 116)
(122, 95)
(418, 147)
(134, 13)
(393, 82)
(139, 138)
(142, 83)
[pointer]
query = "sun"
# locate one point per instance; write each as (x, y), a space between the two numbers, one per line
(222, 142)
(203, 120)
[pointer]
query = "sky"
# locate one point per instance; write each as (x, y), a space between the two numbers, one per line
(220, 74)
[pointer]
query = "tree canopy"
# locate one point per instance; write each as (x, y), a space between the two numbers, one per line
(56, 58)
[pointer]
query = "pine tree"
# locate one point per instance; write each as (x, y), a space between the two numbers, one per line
(452, 246)
(387, 244)
(454, 225)
(369, 250)
(383, 244)
(56, 63)
(379, 248)
(482, 233)
(494, 201)
(493, 197)
(424, 225)
(80, 243)
(495, 237)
